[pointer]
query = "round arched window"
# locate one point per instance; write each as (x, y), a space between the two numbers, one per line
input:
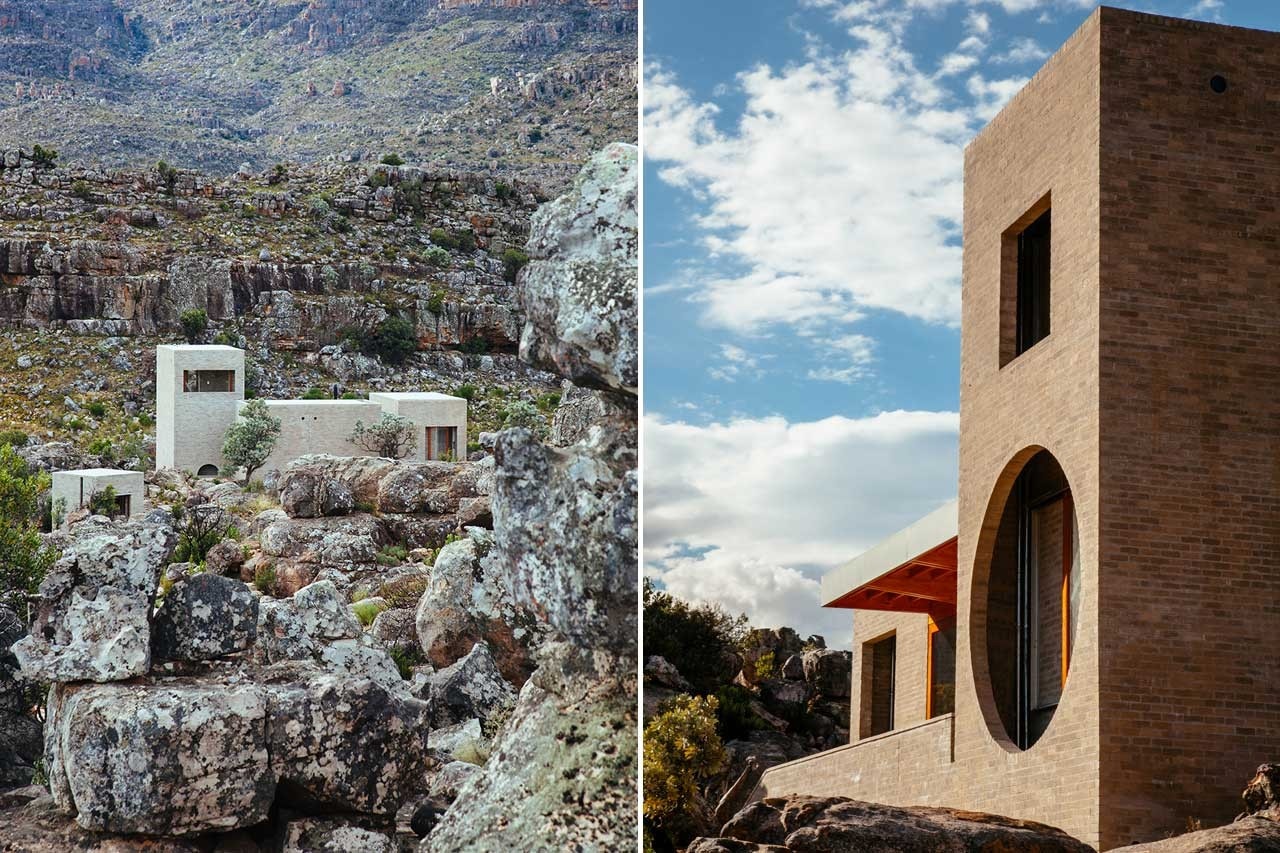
(1033, 599)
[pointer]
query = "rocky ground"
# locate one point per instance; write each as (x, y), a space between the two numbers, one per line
(366, 654)
(521, 88)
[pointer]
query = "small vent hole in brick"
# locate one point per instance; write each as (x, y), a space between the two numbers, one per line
(1218, 83)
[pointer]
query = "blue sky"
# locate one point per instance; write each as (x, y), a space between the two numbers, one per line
(802, 269)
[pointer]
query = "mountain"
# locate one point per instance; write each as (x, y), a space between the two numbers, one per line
(528, 87)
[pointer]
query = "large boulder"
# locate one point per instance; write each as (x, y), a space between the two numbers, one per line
(320, 835)
(93, 621)
(1247, 834)
(821, 824)
(338, 542)
(308, 491)
(184, 755)
(828, 671)
(470, 688)
(467, 602)
(203, 617)
(579, 293)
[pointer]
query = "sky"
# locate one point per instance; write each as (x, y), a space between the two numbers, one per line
(802, 211)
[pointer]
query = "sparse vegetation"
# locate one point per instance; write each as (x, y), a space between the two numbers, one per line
(393, 555)
(199, 529)
(695, 639)
(194, 323)
(43, 158)
(392, 159)
(23, 557)
(513, 260)
(366, 610)
(168, 176)
(264, 578)
(682, 749)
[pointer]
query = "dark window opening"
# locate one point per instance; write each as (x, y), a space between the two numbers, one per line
(942, 666)
(194, 381)
(1033, 283)
(124, 505)
(881, 657)
(1218, 84)
(442, 443)
(1033, 600)
(209, 470)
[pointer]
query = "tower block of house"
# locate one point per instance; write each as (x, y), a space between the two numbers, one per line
(1085, 637)
(200, 392)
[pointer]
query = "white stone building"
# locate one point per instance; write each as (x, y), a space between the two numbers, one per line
(200, 392)
(75, 489)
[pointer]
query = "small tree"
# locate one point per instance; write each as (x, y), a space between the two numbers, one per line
(681, 751)
(392, 159)
(250, 440)
(43, 158)
(168, 176)
(392, 437)
(103, 502)
(513, 260)
(194, 323)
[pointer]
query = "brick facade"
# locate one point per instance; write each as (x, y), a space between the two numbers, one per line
(1158, 392)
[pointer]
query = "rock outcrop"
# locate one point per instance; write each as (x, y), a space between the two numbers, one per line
(821, 824)
(562, 774)
(20, 736)
(1256, 829)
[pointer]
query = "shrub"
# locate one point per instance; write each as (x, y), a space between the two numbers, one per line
(695, 640)
(436, 303)
(681, 751)
(466, 241)
(503, 190)
(466, 392)
(513, 260)
(443, 238)
(377, 180)
(406, 659)
(264, 578)
(250, 440)
(12, 438)
(766, 666)
(475, 345)
(405, 591)
(393, 341)
(97, 408)
(81, 190)
(535, 136)
(168, 176)
(146, 420)
(392, 436)
(315, 393)
(367, 610)
(103, 502)
(194, 323)
(392, 159)
(200, 529)
(549, 401)
(24, 559)
(43, 158)
(436, 256)
(518, 413)
(101, 447)
(393, 555)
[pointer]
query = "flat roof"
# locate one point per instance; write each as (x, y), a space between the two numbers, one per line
(414, 395)
(930, 533)
(97, 472)
(326, 401)
(200, 347)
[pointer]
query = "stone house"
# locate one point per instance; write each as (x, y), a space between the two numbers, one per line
(1085, 636)
(74, 490)
(200, 392)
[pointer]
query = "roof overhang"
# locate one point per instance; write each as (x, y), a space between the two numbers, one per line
(913, 571)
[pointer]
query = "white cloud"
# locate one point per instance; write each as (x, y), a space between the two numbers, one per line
(1023, 49)
(746, 513)
(1210, 9)
(735, 362)
(850, 359)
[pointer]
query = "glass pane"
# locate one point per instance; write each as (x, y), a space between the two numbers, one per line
(942, 650)
(1047, 547)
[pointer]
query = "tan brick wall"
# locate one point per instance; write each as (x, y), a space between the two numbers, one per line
(1045, 142)
(1190, 368)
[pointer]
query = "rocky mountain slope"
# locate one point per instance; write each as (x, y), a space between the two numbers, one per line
(528, 87)
(294, 264)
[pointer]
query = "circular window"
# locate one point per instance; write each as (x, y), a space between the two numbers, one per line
(1218, 83)
(1030, 605)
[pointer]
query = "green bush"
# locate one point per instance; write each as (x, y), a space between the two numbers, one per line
(393, 555)
(436, 303)
(466, 392)
(406, 659)
(735, 720)
(194, 323)
(696, 640)
(392, 159)
(475, 345)
(518, 413)
(264, 578)
(436, 256)
(43, 158)
(103, 502)
(168, 176)
(549, 401)
(503, 190)
(393, 341)
(315, 393)
(13, 438)
(97, 408)
(681, 752)
(199, 530)
(101, 446)
(367, 610)
(24, 559)
(377, 180)
(443, 238)
(81, 190)
(513, 260)
(466, 241)
(250, 440)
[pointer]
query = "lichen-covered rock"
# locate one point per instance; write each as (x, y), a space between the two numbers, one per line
(579, 294)
(225, 558)
(467, 602)
(1247, 834)
(828, 671)
(308, 491)
(472, 687)
(579, 410)
(562, 776)
(166, 759)
(204, 617)
(565, 523)
(318, 835)
(93, 622)
(817, 824)
(337, 542)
